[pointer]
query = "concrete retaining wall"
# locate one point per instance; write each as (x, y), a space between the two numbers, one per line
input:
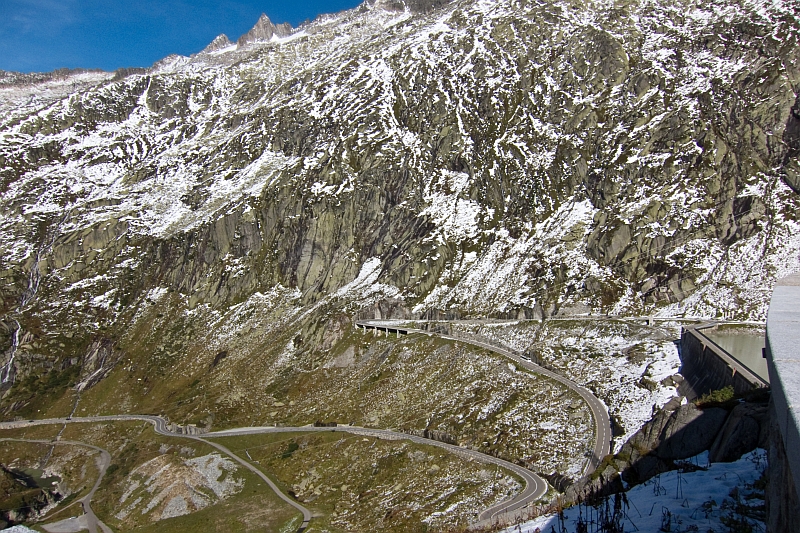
(783, 362)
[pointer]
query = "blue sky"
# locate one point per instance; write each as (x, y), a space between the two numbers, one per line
(43, 35)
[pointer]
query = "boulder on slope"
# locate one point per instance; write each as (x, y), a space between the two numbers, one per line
(690, 431)
(745, 429)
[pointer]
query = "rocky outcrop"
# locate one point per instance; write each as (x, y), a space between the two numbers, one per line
(433, 434)
(791, 137)
(603, 482)
(671, 436)
(386, 309)
(745, 429)
(220, 41)
(264, 30)
(19, 79)
(689, 431)
(416, 6)
(21, 497)
(99, 360)
(187, 429)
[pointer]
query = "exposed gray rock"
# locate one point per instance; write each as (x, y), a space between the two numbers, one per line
(671, 436)
(220, 41)
(433, 434)
(122, 73)
(791, 136)
(416, 6)
(601, 484)
(386, 309)
(264, 31)
(690, 431)
(99, 360)
(648, 438)
(745, 429)
(677, 434)
(19, 79)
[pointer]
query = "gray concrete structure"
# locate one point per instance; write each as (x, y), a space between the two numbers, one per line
(707, 366)
(783, 360)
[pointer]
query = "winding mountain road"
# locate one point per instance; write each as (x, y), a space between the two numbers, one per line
(599, 411)
(535, 487)
(160, 425)
(508, 511)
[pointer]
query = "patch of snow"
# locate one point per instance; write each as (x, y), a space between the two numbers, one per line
(690, 501)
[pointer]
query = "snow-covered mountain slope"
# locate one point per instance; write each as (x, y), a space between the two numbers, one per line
(474, 157)
(493, 155)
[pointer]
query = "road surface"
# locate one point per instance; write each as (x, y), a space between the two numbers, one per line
(508, 511)
(599, 412)
(535, 487)
(160, 426)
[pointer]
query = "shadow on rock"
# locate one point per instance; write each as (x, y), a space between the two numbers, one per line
(727, 430)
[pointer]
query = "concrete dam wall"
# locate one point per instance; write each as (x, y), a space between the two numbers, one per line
(706, 366)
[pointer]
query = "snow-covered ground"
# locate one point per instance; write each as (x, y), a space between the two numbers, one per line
(711, 499)
(627, 365)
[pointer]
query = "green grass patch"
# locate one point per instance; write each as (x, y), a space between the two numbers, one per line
(716, 397)
(355, 482)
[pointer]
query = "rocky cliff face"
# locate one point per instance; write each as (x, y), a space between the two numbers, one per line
(474, 157)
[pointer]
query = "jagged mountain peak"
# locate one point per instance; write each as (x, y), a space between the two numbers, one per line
(220, 41)
(264, 30)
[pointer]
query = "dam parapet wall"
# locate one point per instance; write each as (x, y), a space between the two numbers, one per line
(783, 363)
